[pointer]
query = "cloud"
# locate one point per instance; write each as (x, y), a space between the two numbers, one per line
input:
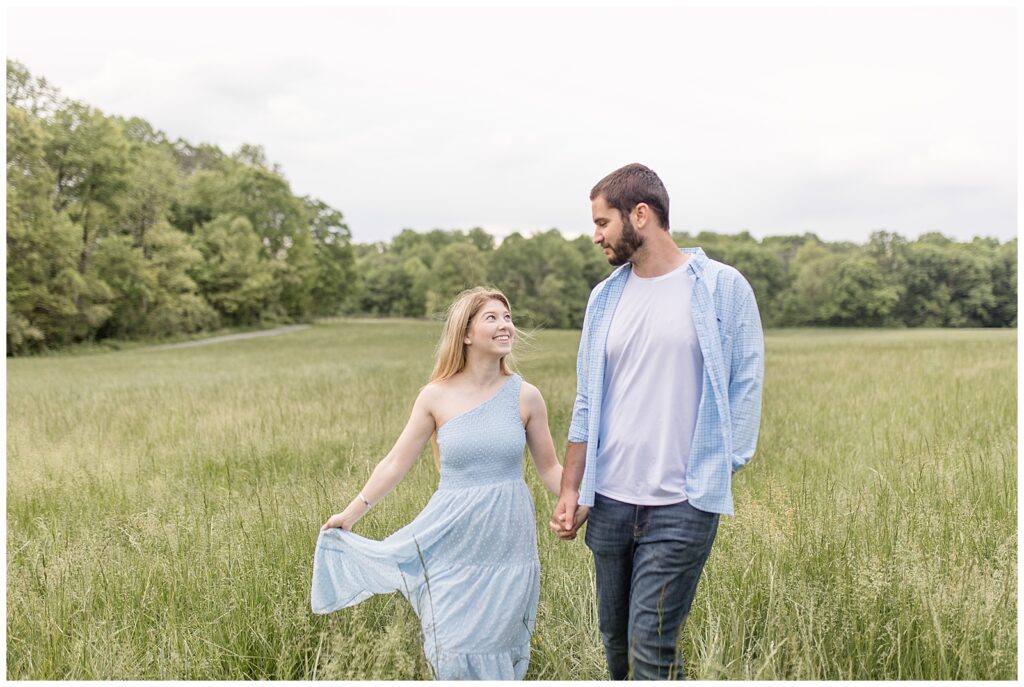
(778, 121)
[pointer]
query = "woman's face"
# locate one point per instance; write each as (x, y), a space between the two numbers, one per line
(491, 329)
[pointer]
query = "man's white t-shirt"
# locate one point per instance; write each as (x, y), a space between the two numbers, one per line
(652, 386)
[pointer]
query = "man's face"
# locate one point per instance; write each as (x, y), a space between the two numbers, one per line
(614, 233)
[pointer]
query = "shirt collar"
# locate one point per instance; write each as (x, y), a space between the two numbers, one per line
(697, 259)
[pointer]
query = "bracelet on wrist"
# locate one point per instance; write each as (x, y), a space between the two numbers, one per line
(363, 499)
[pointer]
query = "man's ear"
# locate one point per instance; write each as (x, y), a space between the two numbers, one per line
(643, 215)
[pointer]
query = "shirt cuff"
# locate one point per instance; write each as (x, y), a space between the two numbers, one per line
(576, 436)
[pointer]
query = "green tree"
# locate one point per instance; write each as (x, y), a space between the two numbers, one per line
(948, 284)
(1004, 285)
(177, 306)
(155, 183)
(122, 267)
(36, 97)
(481, 239)
(385, 287)
(48, 300)
(281, 222)
(837, 290)
(88, 154)
(458, 266)
(332, 251)
(806, 302)
(858, 294)
(419, 278)
(544, 278)
(235, 276)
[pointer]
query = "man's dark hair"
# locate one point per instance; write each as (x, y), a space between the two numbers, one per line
(632, 184)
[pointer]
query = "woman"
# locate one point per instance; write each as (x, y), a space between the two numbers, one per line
(468, 562)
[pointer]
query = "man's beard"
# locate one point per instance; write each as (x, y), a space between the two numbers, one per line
(628, 244)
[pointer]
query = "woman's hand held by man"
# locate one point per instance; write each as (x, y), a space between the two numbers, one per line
(568, 516)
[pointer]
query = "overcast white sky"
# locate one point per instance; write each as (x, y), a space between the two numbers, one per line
(837, 121)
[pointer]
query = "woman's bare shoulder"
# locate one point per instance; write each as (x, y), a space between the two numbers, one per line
(433, 392)
(530, 394)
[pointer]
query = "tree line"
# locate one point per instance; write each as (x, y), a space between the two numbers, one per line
(115, 231)
(799, 280)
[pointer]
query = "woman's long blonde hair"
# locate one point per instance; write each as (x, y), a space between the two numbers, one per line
(450, 357)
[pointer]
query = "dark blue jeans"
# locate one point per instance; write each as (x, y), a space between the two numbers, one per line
(648, 561)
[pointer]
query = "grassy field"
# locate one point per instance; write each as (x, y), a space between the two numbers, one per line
(162, 508)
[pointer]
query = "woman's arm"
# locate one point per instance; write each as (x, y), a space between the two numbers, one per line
(394, 466)
(538, 438)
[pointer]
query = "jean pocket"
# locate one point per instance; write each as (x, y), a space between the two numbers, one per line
(697, 520)
(609, 525)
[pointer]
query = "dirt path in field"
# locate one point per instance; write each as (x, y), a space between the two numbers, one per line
(232, 337)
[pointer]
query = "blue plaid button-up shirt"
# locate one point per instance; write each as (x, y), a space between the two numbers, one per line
(728, 328)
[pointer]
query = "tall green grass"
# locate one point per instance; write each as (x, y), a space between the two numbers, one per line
(162, 508)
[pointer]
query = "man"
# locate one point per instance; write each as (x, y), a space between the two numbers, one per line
(668, 405)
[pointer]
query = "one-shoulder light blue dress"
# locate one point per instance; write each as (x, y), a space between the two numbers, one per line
(468, 562)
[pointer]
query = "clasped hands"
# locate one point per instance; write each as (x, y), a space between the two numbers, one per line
(568, 516)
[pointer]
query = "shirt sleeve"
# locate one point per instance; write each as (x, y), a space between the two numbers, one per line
(579, 426)
(746, 378)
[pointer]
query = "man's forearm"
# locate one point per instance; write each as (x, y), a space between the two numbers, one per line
(575, 463)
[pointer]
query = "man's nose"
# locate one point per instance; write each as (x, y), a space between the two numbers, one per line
(597, 237)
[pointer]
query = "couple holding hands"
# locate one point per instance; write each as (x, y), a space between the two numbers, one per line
(668, 403)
